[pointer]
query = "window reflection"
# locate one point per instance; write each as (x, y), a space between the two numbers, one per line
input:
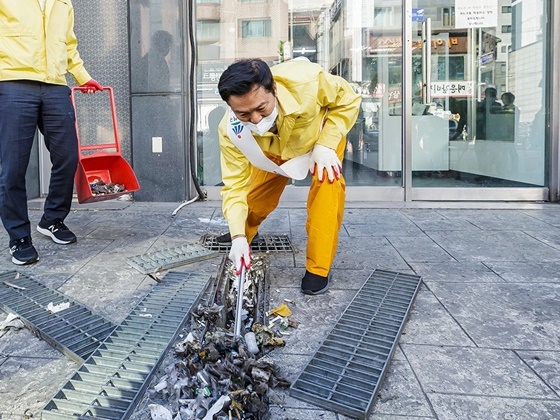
(478, 92)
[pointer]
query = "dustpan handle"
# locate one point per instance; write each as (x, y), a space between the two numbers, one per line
(117, 144)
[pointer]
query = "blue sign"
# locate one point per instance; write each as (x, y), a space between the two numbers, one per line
(417, 14)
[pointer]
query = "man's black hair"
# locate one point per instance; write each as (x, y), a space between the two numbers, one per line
(243, 76)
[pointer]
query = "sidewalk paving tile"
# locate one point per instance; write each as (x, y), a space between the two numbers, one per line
(508, 315)
(451, 407)
(546, 364)
(474, 371)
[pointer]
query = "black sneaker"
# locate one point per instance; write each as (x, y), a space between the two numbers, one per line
(225, 239)
(23, 252)
(314, 284)
(58, 232)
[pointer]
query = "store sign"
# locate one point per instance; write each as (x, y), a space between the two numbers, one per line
(418, 14)
(210, 72)
(395, 95)
(486, 58)
(452, 88)
(476, 13)
(452, 45)
(378, 90)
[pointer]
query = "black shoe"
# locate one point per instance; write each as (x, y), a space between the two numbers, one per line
(23, 252)
(57, 231)
(313, 284)
(225, 239)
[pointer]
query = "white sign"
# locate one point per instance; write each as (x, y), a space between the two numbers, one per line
(476, 13)
(452, 88)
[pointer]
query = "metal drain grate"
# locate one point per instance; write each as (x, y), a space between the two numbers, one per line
(170, 258)
(264, 243)
(110, 383)
(346, 372)
(76, 331)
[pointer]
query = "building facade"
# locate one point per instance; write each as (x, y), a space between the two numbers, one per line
(459, 97)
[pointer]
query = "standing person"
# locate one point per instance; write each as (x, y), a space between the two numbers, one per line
(37, 48)
(154, 75)
(485, 108)
(511, 115)
(291, 118)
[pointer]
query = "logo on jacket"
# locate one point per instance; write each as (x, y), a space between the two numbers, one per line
(237, 127)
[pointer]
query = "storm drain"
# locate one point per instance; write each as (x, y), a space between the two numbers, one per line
(166, 259)
(264, 243)
(67, 325)
(112, 380)
(348, 368)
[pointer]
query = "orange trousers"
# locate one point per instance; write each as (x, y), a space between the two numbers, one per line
(325, 210)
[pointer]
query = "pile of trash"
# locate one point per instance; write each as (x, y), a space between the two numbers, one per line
(217, 375)
(99, 187)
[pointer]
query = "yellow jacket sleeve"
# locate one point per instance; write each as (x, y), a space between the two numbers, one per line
(342, 103)
(75, 63)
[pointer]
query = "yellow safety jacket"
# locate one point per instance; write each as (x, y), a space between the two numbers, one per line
(39, 45)
(315, 107)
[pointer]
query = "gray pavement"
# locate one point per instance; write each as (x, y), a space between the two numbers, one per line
(482, 340)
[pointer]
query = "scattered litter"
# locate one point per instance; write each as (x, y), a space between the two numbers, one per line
(159, 412)
(251, 341)
(217, 407)
(157, 275)
(15, 286)
(267, 337)
(217, 375)
(99, 187)
(12, 322)
(162, 384)
(145, 315)
(57, 308)
(282, 310)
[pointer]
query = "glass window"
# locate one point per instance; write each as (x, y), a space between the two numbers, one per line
(208, 30)
(156, 55)
(482, 122)
(448, 16)
(255, 28)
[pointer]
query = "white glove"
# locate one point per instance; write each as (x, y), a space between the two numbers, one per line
(325, 158)
(240, 253)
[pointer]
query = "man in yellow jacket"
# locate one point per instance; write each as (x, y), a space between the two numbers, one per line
(37, 48)
(283, 119)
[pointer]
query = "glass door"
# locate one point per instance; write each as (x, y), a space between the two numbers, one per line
(478, 83)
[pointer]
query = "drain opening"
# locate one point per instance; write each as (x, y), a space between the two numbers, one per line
(217, 368)
(264, 244)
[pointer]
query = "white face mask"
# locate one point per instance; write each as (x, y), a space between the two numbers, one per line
(264, 125)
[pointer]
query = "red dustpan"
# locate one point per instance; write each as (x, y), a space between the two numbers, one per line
(98, 166)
